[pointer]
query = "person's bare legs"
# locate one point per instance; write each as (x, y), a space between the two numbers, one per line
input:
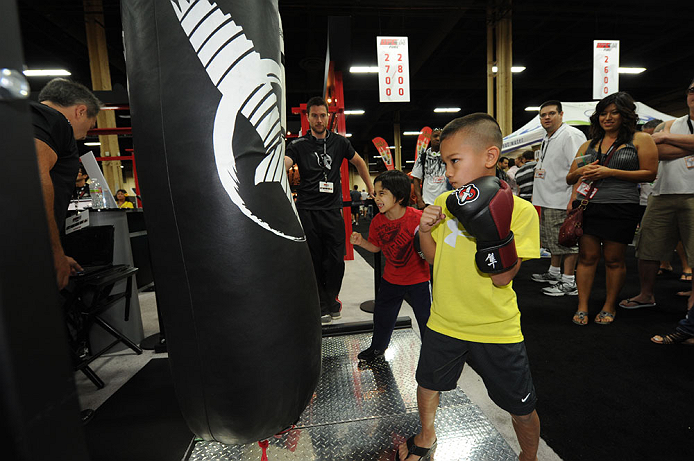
(527, 429)
(686, 269)
(648, 271)
(588, 258)
(615, 273)
(570, 261)
(554, 260)
(427, 403)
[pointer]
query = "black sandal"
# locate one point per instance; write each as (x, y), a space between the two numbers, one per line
(674, 338)
(423, 453)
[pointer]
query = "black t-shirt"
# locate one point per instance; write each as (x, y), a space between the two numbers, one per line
(51, 127)
(319, 160)
(81, 192)
(355, 195)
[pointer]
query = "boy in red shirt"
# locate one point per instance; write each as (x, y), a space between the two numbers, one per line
(392, 232)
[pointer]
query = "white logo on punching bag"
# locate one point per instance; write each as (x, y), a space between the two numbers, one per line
(245, 81)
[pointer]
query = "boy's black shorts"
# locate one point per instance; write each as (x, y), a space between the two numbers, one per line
(504, 368)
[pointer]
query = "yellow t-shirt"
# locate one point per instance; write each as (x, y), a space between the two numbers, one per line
(126, 204)
(466, 304)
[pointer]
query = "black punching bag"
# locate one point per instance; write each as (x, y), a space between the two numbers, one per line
(231, 266)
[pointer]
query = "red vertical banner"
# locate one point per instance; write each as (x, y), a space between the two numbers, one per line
(422, 141)
(383, 149)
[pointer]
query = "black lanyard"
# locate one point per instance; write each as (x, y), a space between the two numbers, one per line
(544, 145)
(689, 124)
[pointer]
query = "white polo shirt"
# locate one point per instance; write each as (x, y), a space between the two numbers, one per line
(557, 152)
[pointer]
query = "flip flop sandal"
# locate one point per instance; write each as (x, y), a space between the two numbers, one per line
(580, 318)
(686, 277)
(636, 304)
(602, 317)
(423, 453)
(674, 338)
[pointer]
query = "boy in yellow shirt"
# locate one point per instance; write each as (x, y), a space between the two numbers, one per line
(475, 237)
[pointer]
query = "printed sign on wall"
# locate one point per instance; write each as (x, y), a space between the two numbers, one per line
(393, 69)
(605, 68)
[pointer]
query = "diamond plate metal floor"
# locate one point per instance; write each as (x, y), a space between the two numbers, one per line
(362, 413)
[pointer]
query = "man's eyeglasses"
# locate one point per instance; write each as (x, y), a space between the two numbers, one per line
(689, 90)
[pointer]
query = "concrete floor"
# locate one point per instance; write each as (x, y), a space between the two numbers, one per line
(117, 368)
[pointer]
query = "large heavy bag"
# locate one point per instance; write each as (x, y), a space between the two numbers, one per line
(231, 266)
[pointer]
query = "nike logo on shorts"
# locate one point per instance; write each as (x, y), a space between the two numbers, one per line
(526, 398)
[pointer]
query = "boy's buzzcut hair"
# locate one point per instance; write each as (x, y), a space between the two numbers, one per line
(529, 155)
(66, 93)
(316, 101)
(398, 183)
(552, 102)
(482, 128)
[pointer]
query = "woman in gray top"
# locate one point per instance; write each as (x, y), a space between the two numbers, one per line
(617, 158)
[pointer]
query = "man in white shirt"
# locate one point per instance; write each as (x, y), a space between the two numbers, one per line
(669, 216)
(553, 195)
(429, 173)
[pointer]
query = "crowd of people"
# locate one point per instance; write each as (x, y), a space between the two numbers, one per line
(499, 216)
(474, 216)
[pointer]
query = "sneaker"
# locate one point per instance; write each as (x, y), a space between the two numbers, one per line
(335, 315)
(325, 318)
(544, 253)
(561, 289)
(370, 354)
(546, 277)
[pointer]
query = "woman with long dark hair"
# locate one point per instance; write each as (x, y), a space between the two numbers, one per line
(615, 160)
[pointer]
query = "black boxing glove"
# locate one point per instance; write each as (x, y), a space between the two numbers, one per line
(485, 207)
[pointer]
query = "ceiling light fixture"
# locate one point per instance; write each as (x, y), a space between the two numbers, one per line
(409, 161)
(514, 69)
(447, 109)
(631, 70)
(363, 69)
(532, 108)
(348, 135)
(46, 72)
(411, 133)
(354, 112)
(92, 143)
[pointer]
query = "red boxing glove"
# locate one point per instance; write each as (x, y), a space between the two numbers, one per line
(484, 208)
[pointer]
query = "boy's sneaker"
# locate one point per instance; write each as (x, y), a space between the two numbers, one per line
(325, 318)
(370, 354)
(561, 289)
(544, 253)
(546, 277)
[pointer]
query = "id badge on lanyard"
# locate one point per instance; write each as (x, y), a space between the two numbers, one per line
(584, 190)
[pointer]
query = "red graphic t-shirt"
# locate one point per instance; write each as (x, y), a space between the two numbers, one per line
(395, 239)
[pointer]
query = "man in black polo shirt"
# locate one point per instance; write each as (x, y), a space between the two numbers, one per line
(319, 154)
(67, 110)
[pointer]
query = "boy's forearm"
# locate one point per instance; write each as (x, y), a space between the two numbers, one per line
(505, 278)
(368, 246)
(427, 245)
